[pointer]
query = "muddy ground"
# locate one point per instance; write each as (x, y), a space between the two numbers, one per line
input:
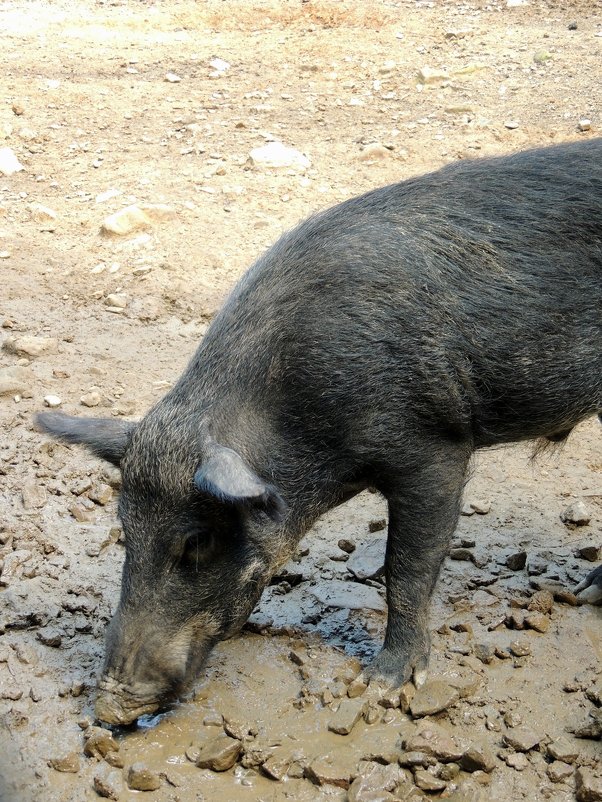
(88, 111)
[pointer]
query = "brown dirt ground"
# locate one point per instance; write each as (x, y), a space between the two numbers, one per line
(86, 108)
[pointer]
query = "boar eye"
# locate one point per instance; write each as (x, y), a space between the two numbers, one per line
(198, 548)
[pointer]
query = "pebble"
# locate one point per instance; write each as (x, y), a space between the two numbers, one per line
(108, 783)
(559, 771)
(485, 652)
(576, 514)
(433, 697)
(511, 125)
(14, 380)
(9, 163)
(368, 560)
(134, 218)
(52, 401)
(172, 78)
(219, 754)
(219, 65)
(520, 648)
(276, 767)
(348, 546)
(585, 125)
(141, 778)
(30, 346)
(542, 601)
(91, 399)
(416, 759)
(68, 764)
(277, 155)
(50, 636)
(588, 785)
(356, 688)
(522, 739)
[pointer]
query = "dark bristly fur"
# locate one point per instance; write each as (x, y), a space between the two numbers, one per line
(378, 344)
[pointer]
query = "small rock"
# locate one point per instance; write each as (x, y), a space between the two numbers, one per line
(277, 155)
(513, 719)
(511, 124)
(375, 782)
(368, 560)
(14, 380)
(30, 346)
(464, 555)
(520, 648)
(374, 151)
(101, 493)
(348, 595)
(517, 761)
(67, 763)
(484, 652)
(348, 546)
(91, 399)
(141, 778)
(576, 514)
(433, 697)
(427, 781)
(356, 688)
(50, 636)
(592, 728)
(42, 214)
(563, 750)
(117, 299)
(588, 785)
(377, 525)
(219, 754)
(416, 759)
(172, 78)
(107, 783)
(585, 125)
(481, 507)
(572, 26)
(333, 768)
(52, 401)
(559, 771)
(406, 694)
(276, 767)
(542, 56)
(33, 495)
(347, 716)
(590, 553)
(428, 75)
(537, 621)
(81, 513)
(9, 163)
(516, 561)
(134, 218)
(219, 65)
(477, 757)
(542, 601)
(99, 742)
(433, 740)
(521, 739)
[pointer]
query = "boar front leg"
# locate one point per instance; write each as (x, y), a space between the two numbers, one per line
(424, 506)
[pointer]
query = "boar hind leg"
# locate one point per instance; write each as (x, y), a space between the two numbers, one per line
(424, 507)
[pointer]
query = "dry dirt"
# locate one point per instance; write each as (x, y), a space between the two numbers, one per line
(86, 108)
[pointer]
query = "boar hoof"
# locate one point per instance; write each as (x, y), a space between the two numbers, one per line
(394, 670)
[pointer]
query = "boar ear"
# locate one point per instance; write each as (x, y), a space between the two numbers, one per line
(105, 437)
(224, 474)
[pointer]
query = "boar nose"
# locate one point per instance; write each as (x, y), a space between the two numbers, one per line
(112, 709)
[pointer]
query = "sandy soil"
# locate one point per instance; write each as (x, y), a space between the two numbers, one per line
(88, 111)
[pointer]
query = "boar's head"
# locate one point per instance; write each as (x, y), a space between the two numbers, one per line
(194, 516)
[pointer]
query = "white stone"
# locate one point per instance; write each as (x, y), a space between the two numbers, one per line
(42, 214)
(427, 75)
(133, 218)
(52, 401)
(9, 163)
(219, 64)
(275, 154)
(172, 78)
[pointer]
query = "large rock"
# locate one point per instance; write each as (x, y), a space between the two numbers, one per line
(30, 346)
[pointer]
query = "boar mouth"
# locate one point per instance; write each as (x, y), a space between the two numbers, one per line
(119, 706)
